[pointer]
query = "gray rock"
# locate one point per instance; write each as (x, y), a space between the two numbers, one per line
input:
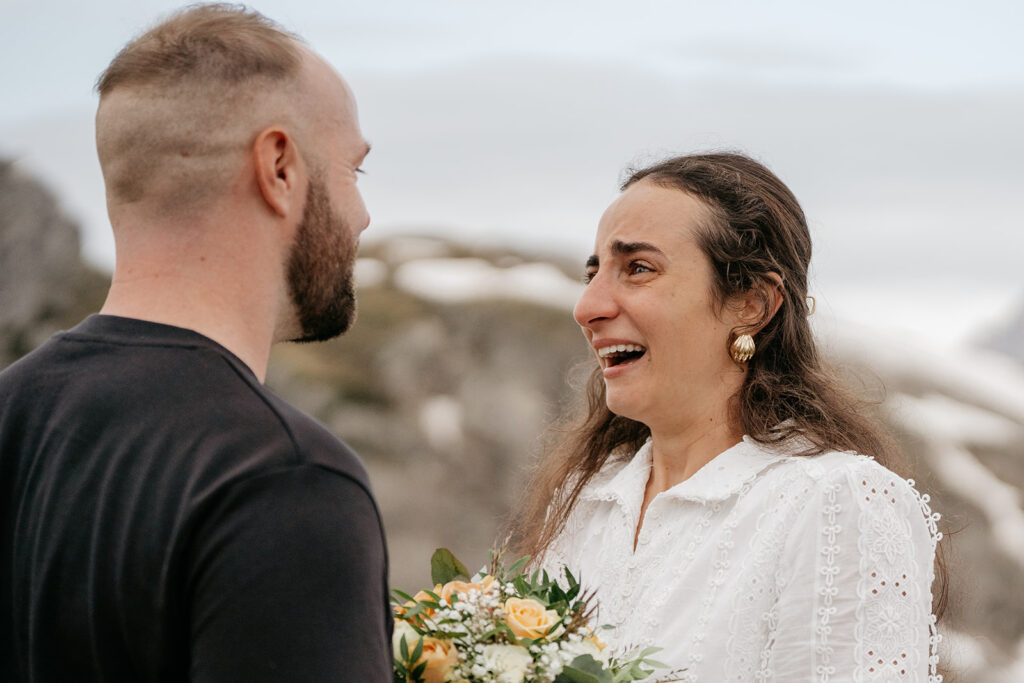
(43, 283)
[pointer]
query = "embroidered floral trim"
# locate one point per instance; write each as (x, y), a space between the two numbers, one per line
(934, 637)
(891, 582)
(828, 589)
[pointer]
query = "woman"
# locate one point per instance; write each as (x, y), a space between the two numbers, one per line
(714, 495)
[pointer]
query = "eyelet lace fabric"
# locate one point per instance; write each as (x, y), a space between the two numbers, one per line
(763, 567)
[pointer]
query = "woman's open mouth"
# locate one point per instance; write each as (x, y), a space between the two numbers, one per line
(620, 354)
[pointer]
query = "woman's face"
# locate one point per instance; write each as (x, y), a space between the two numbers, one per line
(648, 311)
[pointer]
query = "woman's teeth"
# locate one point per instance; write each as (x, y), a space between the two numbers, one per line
(620, 353)
(606, 351)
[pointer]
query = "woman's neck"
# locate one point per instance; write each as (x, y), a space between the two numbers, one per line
(678, 453)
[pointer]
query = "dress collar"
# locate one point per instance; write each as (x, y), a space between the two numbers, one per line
(722, 477)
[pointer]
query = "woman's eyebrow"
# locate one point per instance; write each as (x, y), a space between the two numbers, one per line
(627, 248)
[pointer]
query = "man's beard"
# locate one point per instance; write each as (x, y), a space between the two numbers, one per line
(320, 269)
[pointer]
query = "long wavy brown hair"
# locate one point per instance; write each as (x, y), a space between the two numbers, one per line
(757, 228)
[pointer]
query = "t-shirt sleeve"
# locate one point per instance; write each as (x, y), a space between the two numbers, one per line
(288, 582)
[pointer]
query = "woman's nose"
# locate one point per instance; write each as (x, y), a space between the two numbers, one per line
(595, 304)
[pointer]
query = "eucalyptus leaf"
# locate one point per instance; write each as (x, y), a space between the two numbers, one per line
(584, 669)
(445, 567)
(518, 566)
(403, 649)
(417, 652)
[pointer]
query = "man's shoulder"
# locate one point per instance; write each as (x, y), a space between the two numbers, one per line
(312, 442)
(124, 383)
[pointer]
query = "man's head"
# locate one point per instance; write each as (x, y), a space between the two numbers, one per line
(218, 111)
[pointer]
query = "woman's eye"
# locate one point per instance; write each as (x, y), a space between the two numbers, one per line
(588, 276)
(636, 268)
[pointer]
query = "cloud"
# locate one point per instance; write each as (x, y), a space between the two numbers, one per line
(762, 56)
(898, 184)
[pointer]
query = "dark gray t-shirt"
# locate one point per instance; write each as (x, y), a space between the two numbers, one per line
(165, 517)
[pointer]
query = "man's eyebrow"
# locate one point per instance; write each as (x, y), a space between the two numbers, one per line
(592, 262)
(626, 248)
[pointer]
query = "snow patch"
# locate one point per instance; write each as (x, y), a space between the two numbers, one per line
(458, 280)
(441, 422)
(982, 378)
(947, 426)
(941, 418)
(403, 249)
(963, 474)
(370, 272)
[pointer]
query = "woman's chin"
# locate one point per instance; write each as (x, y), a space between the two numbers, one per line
(624, 407)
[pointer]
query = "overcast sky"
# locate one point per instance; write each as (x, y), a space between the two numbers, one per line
(897, 124)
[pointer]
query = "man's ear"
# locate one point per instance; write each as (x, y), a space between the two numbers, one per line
(279, 171)
(759, 305)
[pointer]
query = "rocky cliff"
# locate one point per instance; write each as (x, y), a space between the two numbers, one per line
(461, 357)
(44, 286)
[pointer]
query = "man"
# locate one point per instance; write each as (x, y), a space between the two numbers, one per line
(164, 516)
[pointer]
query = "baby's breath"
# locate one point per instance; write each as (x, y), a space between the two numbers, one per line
(473, 618)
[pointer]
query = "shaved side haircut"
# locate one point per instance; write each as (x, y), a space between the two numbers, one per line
(220, 43)
(180, 104)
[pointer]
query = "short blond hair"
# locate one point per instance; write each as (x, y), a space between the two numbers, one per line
(221, 43)
(179, 104)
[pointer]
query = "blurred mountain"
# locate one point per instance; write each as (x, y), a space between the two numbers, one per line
(1009, 338)
(462, 356)
(44, 285)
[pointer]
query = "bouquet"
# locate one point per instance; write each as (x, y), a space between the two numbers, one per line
(504, 627)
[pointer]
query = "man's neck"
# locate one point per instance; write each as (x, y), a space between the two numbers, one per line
(236, 324)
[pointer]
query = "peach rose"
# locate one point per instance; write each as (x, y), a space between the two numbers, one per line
(441, 658)
(440, 655)
(463, 587)
(400, 610)
(528, 619)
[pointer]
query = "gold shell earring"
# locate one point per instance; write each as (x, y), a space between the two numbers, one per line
(742, 348)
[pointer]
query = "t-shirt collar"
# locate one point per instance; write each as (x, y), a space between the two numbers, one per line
(724, 476)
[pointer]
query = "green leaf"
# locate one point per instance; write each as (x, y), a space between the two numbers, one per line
(417, 651)
(403, 648)
(570, 675)
(516, 568)
(584, 669)
(445, 567)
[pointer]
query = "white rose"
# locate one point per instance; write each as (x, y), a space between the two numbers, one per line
(402, 628)
(510, 662)
(571, 649)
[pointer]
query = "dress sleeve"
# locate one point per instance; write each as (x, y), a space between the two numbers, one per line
(855, 601)
(288, 582)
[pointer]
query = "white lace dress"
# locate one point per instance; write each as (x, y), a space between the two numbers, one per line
(763, 567)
